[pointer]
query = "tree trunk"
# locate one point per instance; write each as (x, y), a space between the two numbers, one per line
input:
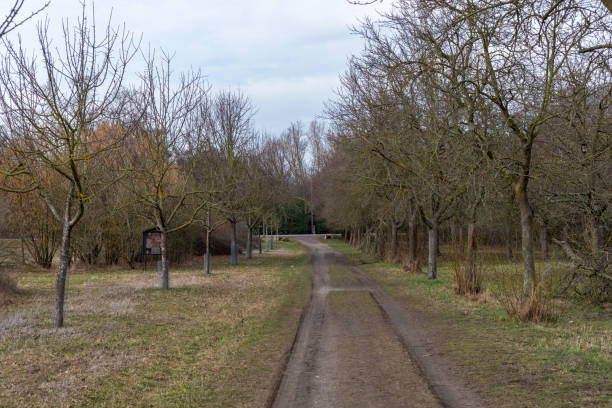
(394, 227)
(544, 242)
(471, 251)
(526, 238)
(259, 239)
(234, 245)
(22, 251)
(164, 278)
(508, 229)
(432, 264)
(207, 258)
(471, 240)
(413, 238)
(313, 229)
(60, 284)
(249, 244)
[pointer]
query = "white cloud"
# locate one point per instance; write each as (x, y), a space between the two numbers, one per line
(286, 54)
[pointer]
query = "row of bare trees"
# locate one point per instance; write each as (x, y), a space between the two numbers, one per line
(84, 153)
(464, 112)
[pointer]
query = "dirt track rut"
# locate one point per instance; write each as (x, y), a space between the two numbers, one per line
(356, 347)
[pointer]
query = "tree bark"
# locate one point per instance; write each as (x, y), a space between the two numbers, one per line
(207, 258)
(432, 264)
(526, 237)
(60, 285)
(394, 227)
(234, 244)
(259, 239)
(413, 238)
(22, 251)
(508, 229)
(471, 251)
(249, 244)
(313, 229)
(164, 276)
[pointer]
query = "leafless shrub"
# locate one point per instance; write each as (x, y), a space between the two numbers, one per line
(538, 307)
(468, 275)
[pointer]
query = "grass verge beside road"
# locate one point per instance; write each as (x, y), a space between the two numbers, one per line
(212, 341)
(563, 364)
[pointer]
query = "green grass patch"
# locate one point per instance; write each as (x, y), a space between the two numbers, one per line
(212, 341)
(341, 276)
(567, 363)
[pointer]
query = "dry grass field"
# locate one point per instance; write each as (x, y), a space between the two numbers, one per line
(212, 341)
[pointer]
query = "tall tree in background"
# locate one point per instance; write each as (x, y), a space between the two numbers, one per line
(232, 132)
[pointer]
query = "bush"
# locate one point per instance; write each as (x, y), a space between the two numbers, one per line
(468, 277)
(538, 307)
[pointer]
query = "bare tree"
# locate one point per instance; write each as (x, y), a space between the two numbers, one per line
(160, 165)
(231, 131)
(12, 21)
(51, 106)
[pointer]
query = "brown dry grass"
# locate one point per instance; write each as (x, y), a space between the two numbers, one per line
(539, 307)
(208, 341)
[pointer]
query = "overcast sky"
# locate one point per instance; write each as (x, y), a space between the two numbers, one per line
(285, 54)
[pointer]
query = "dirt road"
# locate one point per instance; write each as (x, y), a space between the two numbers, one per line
(356, 347)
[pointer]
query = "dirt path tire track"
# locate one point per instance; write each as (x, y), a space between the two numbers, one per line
(442, 376)
(346, 357)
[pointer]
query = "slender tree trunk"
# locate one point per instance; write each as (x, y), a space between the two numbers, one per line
(544, 242)
(234, 244)
(526, 237)
(259, 239)
(207, 258)
(249, 245)
(413, 238)
(22, 251)
(432, 264)
(471, 251)
(508, 228)
(471, 242)
(164, 276)
(313, 229)
(60, 284)
(394, 227)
